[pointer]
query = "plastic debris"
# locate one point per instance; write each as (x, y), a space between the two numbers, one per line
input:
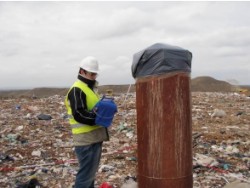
(32, 183)
(237, 184)
(130, 183)
(44, 117)
(29, 146)
(218, 113)
(105, 185)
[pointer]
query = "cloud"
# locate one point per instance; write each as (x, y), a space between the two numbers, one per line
(45, 41)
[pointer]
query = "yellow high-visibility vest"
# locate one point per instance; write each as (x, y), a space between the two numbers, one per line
(91, 99)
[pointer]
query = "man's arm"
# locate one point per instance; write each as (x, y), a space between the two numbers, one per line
(78, 105)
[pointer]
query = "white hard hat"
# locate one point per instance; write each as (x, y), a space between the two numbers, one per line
(90, 64)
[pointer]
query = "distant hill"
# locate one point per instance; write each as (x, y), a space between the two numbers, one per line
(209, 84)
(116, 88)
(46, 92)
(202, 84)
(36, 92)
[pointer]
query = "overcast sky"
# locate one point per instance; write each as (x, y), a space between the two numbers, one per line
(42, 43)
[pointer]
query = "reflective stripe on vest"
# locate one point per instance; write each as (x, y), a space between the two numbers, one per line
(91, 100)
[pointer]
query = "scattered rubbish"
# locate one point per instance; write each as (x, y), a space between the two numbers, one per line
(105, 185)
(44, 117)
(218, 113)
(36, 153)
(32, 183)
(130, 183)
(204, 160)
(239, 113)
(106, 168)
(237, 184)
(43, 149)
(18, 107)
(4, 158)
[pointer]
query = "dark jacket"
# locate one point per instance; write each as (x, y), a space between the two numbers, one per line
(78, 103)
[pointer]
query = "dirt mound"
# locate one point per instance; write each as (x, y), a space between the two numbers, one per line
(209, 84)
(202, 84)
(46, 92)
(116, 88)
(36, 92)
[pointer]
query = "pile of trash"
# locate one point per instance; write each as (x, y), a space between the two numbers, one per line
(36, 143)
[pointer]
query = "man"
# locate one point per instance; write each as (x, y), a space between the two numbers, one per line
(87, 136)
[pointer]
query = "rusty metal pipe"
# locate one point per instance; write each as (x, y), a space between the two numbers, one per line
(164, 131)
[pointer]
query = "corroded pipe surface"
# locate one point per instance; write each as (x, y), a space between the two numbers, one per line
(164, 129)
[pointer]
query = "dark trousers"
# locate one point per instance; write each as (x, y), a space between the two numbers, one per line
(89, 159)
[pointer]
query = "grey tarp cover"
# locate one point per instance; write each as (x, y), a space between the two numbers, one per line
(159, 59)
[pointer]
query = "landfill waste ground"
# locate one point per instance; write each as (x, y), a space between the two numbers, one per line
(36, 143)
